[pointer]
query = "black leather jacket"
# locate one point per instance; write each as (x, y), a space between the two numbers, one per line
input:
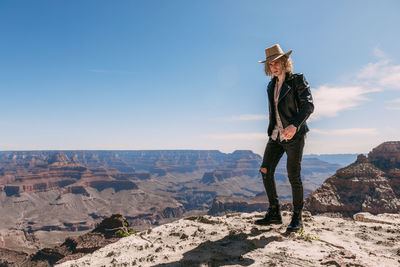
(295, 103)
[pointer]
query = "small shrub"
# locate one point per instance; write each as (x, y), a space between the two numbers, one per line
(305, 236)
(121, 233)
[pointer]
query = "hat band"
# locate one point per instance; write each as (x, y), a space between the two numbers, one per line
(270, 58)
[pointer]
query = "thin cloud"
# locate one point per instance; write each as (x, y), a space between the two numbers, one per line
(348, 132)
(373, 77)
(382, 74)
(329, 101)
(379, 53)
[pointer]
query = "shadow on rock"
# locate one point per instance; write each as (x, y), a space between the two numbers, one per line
(226, 251)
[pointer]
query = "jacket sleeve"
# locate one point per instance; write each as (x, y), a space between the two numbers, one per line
(305, 101)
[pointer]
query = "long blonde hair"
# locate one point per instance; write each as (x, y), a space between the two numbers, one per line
(287, 65)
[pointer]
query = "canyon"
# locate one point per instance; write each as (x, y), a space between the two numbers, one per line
(67, 191)
(50, 195)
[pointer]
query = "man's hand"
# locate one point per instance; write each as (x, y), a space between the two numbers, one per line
(263, 170)
(288, 132)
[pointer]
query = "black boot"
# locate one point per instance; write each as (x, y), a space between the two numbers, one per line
(273, 216)
(296, 222)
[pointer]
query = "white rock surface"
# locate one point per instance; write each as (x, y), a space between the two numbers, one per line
(385, 218)
(234, 240)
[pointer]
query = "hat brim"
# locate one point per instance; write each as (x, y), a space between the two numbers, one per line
(276, 57)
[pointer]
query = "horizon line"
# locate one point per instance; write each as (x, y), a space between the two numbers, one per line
(125, 150)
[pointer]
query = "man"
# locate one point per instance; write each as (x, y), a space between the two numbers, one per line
(290, 104)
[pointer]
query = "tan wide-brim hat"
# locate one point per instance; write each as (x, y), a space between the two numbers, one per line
(274, 52)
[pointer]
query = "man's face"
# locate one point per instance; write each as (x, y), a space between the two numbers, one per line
(276, 67)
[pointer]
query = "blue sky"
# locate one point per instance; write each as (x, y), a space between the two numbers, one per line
(184, 74)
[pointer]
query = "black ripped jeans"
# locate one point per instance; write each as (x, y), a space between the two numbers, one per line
(273, 153)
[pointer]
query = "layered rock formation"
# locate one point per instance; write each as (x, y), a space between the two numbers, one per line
(57, 171)
(54, 192)
(370, 184)
(386, 156)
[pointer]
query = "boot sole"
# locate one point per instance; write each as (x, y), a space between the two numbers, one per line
(294, 229)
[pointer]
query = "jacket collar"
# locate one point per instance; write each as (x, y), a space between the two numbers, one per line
(284, 89)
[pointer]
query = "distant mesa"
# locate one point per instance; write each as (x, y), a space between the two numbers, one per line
(58, 158)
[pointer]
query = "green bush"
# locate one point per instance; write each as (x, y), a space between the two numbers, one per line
(307, 236)
(121, 233)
